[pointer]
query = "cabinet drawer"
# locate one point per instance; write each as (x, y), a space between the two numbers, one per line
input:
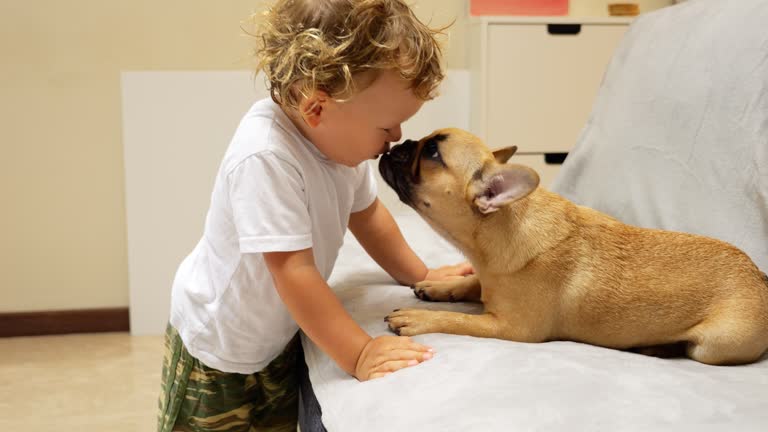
(547, 172)
(542, 80)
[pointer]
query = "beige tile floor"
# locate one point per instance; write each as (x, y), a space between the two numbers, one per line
(80, 383)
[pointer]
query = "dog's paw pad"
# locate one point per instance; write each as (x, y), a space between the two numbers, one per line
(422, 294)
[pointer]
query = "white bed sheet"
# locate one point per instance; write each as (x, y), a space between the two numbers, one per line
(476, 384)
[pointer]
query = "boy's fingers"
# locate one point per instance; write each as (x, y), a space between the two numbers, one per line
(464, 268)
(413, 346)
(395, 365)
(409, 355)
(400, 343)
(405, 342)
(398, 355)
(418, 347)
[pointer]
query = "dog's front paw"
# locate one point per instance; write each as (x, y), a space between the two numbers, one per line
(431, 291)
(411, 322)
(441, 291)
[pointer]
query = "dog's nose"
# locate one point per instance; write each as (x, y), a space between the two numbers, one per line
(403, 153)
(399, 155)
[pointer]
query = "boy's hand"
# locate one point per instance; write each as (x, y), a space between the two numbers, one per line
(457, 271)
(386, 354)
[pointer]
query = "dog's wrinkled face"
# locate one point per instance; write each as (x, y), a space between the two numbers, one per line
(450, 177)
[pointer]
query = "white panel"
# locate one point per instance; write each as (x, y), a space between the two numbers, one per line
(176, 127)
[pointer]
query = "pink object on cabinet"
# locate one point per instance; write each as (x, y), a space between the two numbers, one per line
(518, 7)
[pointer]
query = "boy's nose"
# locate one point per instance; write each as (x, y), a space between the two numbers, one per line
(395, 134)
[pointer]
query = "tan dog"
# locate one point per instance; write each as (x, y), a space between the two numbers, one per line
(553, 270)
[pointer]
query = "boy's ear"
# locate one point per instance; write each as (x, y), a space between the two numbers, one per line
(504, 185)
(311, 108)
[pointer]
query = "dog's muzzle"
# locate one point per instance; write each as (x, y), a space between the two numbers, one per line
(397, 169)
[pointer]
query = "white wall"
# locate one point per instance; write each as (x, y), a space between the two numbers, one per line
(68, 73)
(61, 171)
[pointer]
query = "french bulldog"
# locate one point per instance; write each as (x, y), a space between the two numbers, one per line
(547, 269)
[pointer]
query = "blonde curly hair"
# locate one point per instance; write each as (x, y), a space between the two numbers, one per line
(309, 45)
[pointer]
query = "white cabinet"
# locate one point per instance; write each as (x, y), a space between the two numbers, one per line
(534, 80)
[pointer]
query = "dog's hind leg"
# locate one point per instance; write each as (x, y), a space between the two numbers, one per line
(727, 341)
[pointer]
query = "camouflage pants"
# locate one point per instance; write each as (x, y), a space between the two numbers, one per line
(196, 398)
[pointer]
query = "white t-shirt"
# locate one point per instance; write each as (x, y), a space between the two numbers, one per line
(274, 191)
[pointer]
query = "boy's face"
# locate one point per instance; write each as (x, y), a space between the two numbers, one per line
(361, 128)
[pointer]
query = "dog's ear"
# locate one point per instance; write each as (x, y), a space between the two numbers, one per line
(503, 155)
(504, 185)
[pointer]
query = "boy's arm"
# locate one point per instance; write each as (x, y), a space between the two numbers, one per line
(377, 232)
(321, 316)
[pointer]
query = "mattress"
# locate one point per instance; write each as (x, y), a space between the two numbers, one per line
(475, 384)
(677, 140)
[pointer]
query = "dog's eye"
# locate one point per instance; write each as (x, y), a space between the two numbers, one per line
(430, 151)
